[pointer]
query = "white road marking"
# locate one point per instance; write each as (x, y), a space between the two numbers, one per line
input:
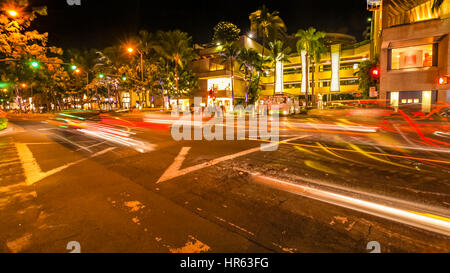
(33, 171)
(73, 143)
(174, 170)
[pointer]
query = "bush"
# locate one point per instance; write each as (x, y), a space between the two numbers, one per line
(3, 123)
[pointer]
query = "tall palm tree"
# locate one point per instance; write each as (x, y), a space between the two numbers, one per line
(175, 46)
(311, 42)
(278, 54)
(248, 60)
(268, 25)
(230, 54)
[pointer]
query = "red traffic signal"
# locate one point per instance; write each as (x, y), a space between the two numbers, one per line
(375, 72)
(442, 80)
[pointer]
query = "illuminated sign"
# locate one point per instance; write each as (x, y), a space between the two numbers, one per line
(305, 73)
(373, 5)
(279, 77)
(335, 67)
(219, 84)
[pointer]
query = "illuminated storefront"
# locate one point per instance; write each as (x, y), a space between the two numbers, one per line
(414, 54)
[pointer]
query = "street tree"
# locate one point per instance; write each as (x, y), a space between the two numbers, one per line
(226, 32)
(311, 42)
(279, 53)
(229, 55)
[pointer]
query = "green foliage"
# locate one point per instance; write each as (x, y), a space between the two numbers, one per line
(365, 78)
(3, 123)
(268, 25)
(437, 4)
(254, 92)
(20, 45)
(312, 42)
(278, 52)
(226, 32)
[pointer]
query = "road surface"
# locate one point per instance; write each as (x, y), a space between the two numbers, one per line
(331, 186)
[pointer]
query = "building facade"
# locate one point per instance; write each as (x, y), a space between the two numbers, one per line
(334, 77)
(414, 54)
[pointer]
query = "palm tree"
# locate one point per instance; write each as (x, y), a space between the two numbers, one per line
(175, 46)
(248, 60)
(85, 60)
(268, 25)
(437, 4)
(310, 41)
(230, 54)
(278, 54)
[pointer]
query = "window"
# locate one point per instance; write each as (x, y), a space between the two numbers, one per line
(349, 66)
(219, 84)
(292, 85)
(214, 66)
(325, 84)
(326, 67)
(290, 71)
(350, 82)
(412, 57)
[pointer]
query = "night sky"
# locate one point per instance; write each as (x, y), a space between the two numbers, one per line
(100, 23)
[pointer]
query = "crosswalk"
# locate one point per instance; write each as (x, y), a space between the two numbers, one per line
(13, 188)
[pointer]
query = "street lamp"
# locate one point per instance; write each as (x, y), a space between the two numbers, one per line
(13, 13)
(130, 51)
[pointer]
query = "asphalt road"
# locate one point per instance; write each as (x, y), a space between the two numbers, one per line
(324, 189)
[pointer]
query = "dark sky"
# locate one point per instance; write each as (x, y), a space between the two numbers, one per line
(100, 23)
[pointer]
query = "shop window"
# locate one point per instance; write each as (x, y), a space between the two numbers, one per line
(413, 57)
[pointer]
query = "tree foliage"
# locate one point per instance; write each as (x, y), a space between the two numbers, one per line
(365, 78)
(226, 32)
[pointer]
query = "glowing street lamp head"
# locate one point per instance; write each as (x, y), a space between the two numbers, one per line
(24, 85)
(13, 13)
(77, 71)
(130, 50)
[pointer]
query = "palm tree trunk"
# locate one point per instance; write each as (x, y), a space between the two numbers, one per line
(246, 87)
(307, 81)
(232, 84)
(313, 97)
(177, 87)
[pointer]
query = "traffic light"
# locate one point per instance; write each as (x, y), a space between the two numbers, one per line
(101, 76)
(375, 73)
(443, 80)
(34, 64)
(124, 78)
(74, 67)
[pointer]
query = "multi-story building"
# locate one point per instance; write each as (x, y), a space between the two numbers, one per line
(334, 77)
(414, 53)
